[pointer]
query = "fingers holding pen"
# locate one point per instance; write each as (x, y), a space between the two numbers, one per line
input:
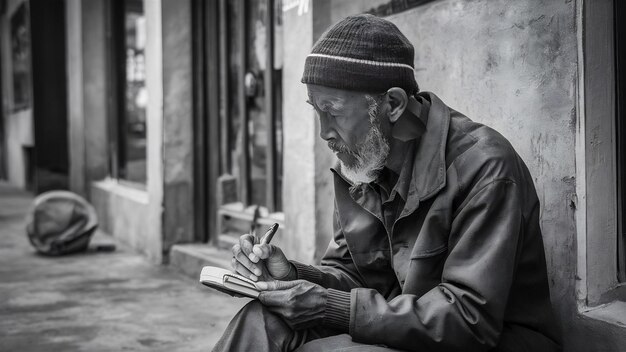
(242, 270)
(261, 251)
(246, 242)
(255, 257)
(241, 262)
(242, 258)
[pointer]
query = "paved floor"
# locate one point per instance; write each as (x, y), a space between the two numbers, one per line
(99, 301)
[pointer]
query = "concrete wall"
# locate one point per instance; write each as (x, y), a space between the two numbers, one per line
(153, 224)
(177, 123)
(75, 114)
(299, 140)
(124, 212)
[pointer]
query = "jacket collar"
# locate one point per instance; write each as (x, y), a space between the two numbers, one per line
(429, 164)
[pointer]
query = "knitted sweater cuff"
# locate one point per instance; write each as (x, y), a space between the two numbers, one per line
(337, 315)
(308, 273)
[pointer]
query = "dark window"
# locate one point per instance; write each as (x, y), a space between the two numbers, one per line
(620, 63)
(128, 157)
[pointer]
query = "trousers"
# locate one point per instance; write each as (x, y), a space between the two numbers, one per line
(255, 329)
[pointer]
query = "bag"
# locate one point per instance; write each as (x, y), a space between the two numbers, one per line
(61, 222)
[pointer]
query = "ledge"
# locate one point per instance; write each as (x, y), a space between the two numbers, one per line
(613, 313)
(190, 258)
(238, 210)
(123, 190)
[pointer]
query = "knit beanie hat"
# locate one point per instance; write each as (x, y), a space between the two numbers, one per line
(364, 53)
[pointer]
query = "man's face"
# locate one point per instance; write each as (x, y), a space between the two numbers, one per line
(354, 128)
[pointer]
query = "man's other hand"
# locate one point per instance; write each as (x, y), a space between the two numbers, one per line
(301, 303)
(265, 262)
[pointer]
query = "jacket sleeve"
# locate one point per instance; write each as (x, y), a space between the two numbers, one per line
(337, 270)
(464, 312)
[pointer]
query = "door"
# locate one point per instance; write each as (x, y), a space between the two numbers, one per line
(240, 139)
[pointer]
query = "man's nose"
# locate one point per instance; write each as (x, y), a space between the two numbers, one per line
(327, 129)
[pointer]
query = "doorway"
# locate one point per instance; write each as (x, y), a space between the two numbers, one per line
(238, 122)
(50, 157)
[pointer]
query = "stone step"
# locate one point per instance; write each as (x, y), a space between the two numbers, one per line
(190, 258)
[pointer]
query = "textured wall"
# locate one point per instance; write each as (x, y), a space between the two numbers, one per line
(299, 134)
(153, 224)
(177, 123)
(75, 116)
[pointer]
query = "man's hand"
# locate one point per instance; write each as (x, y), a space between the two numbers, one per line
(301, 303)
(275, 261)
(263, 261)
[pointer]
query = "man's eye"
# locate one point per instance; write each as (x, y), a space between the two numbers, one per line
(333, 114)
(327, 113)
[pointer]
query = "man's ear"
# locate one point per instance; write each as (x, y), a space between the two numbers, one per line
(398, 101)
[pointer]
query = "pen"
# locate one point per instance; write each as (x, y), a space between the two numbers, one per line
(269, 234)
(255, 218)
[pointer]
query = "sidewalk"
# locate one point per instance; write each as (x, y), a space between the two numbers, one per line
(100, 301)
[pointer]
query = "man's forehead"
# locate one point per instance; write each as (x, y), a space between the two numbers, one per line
(326, 100)
(321, 94)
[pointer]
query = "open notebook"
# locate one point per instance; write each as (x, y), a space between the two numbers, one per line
(228, 282)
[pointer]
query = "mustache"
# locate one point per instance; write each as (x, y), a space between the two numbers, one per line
(339, 148)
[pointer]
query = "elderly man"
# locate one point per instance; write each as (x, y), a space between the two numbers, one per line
(437, 244)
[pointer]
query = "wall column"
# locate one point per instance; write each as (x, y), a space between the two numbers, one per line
(75, 113)
(308, 193)
(177, 123)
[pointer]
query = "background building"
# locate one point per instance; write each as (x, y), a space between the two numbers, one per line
(178, 118)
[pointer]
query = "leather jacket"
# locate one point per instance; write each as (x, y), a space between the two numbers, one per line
(463, 267)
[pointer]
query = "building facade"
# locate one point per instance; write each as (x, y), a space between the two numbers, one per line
(185, 122)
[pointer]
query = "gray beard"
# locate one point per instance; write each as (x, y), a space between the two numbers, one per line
(370, 155)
